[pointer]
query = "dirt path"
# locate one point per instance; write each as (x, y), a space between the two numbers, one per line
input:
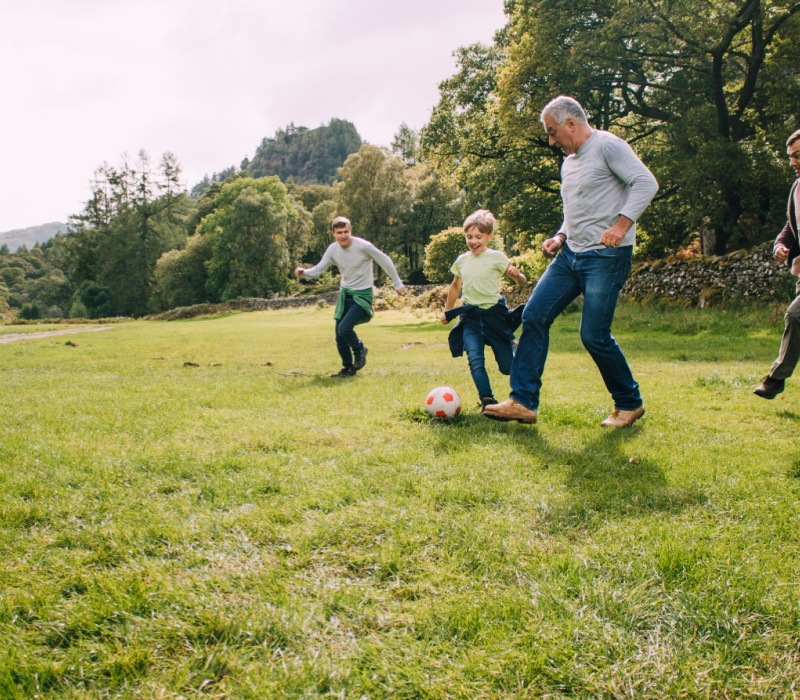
(11, 337)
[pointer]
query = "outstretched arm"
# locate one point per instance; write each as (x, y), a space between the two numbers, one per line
(386, 264)
(318, 269)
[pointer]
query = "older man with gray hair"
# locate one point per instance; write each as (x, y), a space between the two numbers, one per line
(605, 188)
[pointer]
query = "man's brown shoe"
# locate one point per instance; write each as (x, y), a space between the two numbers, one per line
(510, 410)
(623, 419)
(769, 387)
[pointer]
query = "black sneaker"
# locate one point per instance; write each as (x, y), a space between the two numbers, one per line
(348, 371)
(360, 357)
(490, 401)
(487, 401)
(769, 388)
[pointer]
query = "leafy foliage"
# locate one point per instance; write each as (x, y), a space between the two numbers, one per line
(133, 216)
(247, 235)
(181, 275)
(705, 91)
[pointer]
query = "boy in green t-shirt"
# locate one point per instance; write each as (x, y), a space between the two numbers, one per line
(484, 317)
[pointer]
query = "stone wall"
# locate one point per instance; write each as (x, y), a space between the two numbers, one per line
(422, 295)
(751, 274)
(699, 281)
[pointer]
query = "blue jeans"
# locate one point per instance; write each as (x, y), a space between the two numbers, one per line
(346, 339)
(598, 275)
(474, 343)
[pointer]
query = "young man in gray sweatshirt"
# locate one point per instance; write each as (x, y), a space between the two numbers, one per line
(354, 257)
(604, 189)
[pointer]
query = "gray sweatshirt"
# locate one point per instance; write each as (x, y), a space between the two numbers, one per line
(355, 264)
(602, 180)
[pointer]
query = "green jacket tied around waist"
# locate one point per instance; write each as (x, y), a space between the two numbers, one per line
(362, 297)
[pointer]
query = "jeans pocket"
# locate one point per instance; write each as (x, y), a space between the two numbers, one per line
(616, 253)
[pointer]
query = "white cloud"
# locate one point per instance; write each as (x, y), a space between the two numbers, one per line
(87, 80)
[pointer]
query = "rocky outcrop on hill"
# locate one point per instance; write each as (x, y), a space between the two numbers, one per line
(29, 237)
(751, 274)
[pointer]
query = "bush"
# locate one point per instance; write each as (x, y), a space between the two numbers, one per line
(181, 276)
(29, 312)
(96, 300)
(78, 310)
(441, 252)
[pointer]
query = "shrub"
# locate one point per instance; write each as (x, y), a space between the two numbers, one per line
(96, 300)
(29, 312)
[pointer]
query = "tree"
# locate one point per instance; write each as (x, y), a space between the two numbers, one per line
(247, 236)
(321, 217)
(504, 171)
(181, 275)
(705, 90)
(96, 300)
(133, 215)
(434, 207)
(376, 195)
(406, 144)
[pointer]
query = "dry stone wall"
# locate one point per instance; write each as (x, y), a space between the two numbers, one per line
(751, 274)
(700, 281)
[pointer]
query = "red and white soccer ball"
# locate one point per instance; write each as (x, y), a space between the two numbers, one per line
(443, 402)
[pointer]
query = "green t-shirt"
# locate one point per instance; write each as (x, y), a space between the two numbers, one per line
(480, 276)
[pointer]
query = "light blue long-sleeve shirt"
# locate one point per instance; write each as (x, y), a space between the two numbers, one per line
(601, 181)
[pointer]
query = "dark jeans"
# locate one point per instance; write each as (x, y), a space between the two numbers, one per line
(474, 344)
(347, 341)
(789, 353)
(598, 275)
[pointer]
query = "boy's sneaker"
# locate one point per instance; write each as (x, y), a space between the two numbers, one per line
(490, 401)
(349, 371)
(360, 357)
(487, 401)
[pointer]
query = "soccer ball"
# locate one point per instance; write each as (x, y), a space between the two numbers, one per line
(443, 402)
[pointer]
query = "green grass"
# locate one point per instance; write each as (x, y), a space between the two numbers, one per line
(250, 528)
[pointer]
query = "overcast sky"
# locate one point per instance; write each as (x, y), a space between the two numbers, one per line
(84, 81)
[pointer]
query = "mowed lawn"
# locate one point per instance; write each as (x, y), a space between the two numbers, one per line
(246, 527)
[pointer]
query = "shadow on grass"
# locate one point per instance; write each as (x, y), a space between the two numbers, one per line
(603, 478)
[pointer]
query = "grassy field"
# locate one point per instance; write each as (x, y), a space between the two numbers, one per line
(244, 526)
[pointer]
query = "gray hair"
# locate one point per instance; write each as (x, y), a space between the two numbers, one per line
(562, 108)
(794, 137)
(483, 220)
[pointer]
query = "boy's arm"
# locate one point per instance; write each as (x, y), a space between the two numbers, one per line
(452, 297)
(387, 265)
(319, 268)
(516, 275)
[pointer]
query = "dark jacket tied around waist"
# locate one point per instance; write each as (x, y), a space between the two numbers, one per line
(499, 323)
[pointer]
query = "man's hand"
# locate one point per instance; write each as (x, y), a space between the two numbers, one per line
(782, 255)
(551, 246)
(401, 291)
(299, 271)
(613, 235)
(443, 318)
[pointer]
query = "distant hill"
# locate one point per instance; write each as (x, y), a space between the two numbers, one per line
(31, 236)
(306, 155)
